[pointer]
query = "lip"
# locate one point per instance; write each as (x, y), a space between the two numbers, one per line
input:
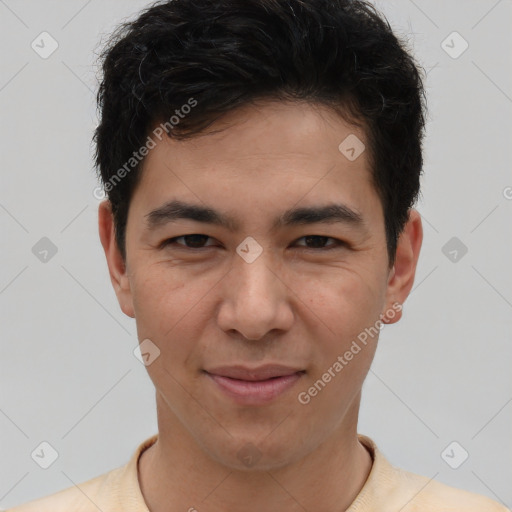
(258, 373)
(254, 386)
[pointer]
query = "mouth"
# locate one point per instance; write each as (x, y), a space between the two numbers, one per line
(254, 386)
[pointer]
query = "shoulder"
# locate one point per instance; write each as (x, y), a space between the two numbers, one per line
(428, 495)
(391, 488)
(87, 496)
(113, 491)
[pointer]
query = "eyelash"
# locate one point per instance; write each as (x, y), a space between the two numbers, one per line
(337, 243)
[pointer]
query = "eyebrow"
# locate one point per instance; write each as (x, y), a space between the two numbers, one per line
(175, 210)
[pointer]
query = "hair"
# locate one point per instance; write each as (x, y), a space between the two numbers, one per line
(219, 55)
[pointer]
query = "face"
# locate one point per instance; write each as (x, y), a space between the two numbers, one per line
(234, 258)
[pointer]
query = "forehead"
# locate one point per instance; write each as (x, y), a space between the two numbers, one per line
(263, 155)
(272, 130)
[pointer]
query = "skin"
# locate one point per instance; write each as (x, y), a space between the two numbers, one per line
(297, 304)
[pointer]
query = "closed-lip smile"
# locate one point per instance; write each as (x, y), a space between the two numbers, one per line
(257, 385)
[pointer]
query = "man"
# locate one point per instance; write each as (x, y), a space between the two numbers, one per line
(261, 160)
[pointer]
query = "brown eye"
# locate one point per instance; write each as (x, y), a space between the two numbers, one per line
(319, 242)
(194, 241)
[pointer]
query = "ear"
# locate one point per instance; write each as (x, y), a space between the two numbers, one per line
(401, 276)
(116, 265)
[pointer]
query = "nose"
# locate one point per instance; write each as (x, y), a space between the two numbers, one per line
(255, 299)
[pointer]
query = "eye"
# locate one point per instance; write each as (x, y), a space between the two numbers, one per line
(194, 241)
(198, 241)
(319, 242)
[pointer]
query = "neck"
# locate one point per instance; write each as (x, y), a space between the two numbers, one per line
(176, 474)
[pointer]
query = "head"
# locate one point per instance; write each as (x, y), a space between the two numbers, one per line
(297, 124)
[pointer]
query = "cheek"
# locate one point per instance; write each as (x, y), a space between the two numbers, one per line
(345, 301)
(171, 310)
(343, 310)
(342, 313)
(161, 300)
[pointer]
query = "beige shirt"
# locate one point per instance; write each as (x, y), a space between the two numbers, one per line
(387, 489)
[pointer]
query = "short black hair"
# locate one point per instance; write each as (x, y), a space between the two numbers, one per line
(213, 56)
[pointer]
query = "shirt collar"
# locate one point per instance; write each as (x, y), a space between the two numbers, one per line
(377, 484)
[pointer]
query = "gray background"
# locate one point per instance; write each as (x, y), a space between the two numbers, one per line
(68, 373)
